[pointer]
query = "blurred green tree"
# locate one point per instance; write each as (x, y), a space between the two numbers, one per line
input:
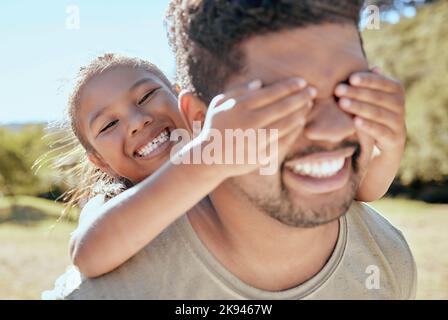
(18, 151)
(415, 51)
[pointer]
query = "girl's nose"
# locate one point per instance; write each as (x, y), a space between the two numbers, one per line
(138, 120)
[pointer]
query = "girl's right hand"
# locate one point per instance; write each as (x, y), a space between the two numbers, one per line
(283, 105)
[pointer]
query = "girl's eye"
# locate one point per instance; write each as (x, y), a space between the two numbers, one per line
(109, 125)
(146, 96)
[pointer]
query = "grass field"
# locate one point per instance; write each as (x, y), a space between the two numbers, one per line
(425, 227)
(32, 254)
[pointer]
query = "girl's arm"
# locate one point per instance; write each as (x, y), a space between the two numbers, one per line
(110, 234)
(380, 175)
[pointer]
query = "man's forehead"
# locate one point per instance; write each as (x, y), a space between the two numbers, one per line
(323, 55)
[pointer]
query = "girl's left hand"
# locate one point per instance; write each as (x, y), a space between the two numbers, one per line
(378, 104)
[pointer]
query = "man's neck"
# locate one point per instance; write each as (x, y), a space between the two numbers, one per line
(258, 249)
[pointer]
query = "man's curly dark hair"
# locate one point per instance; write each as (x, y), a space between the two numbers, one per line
(205, 34)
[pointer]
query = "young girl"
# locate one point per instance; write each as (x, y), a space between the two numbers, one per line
(122, 112)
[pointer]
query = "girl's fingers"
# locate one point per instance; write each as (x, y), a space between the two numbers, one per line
(289, 128)
(267, 95)
(236, 92)
(284, 107)
(392, 102)
(382, 134)
(375, 81)
(372, 112)
(291, 124)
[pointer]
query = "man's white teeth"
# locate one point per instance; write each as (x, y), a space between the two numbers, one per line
(154, 144)
(322, 169)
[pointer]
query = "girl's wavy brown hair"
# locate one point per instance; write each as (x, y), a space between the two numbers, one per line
(69, 147)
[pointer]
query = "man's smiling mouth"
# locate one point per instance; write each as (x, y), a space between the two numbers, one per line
(320, 172)
(323, 169)
(154, 146)
(320, 165)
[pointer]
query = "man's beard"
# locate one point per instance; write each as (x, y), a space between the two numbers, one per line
(283, 208)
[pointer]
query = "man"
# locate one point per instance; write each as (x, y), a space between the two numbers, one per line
(283, 236)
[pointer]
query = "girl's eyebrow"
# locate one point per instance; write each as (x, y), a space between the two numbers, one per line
(96, 116)
(140, 82)
(135, 85)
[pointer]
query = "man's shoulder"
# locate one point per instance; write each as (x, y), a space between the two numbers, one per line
(384, 232)
(390, 243)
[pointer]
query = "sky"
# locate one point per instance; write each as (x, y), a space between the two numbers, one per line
(43, 46)
(44, 43)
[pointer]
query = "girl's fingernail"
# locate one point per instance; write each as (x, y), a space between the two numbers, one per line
(355, 80)
(254, 85)
(312, 91)
(341, 89)
(301, 83)
(359, 122)
(345, 102)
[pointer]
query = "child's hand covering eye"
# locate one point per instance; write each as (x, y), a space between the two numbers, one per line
(378, 104)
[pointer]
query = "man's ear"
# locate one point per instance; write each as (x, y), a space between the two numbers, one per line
(191, 108)
(98, 162)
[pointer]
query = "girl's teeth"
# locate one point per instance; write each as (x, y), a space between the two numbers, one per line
(154, 144)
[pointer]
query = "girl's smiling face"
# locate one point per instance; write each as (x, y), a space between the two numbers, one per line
(126, 114)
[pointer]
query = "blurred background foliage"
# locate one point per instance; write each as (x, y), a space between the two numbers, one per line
(20, 147)
(28, 157)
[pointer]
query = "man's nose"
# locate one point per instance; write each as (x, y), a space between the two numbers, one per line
(138, 120)
(328, 123)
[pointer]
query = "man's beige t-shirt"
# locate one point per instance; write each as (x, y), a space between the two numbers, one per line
(371, 260)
